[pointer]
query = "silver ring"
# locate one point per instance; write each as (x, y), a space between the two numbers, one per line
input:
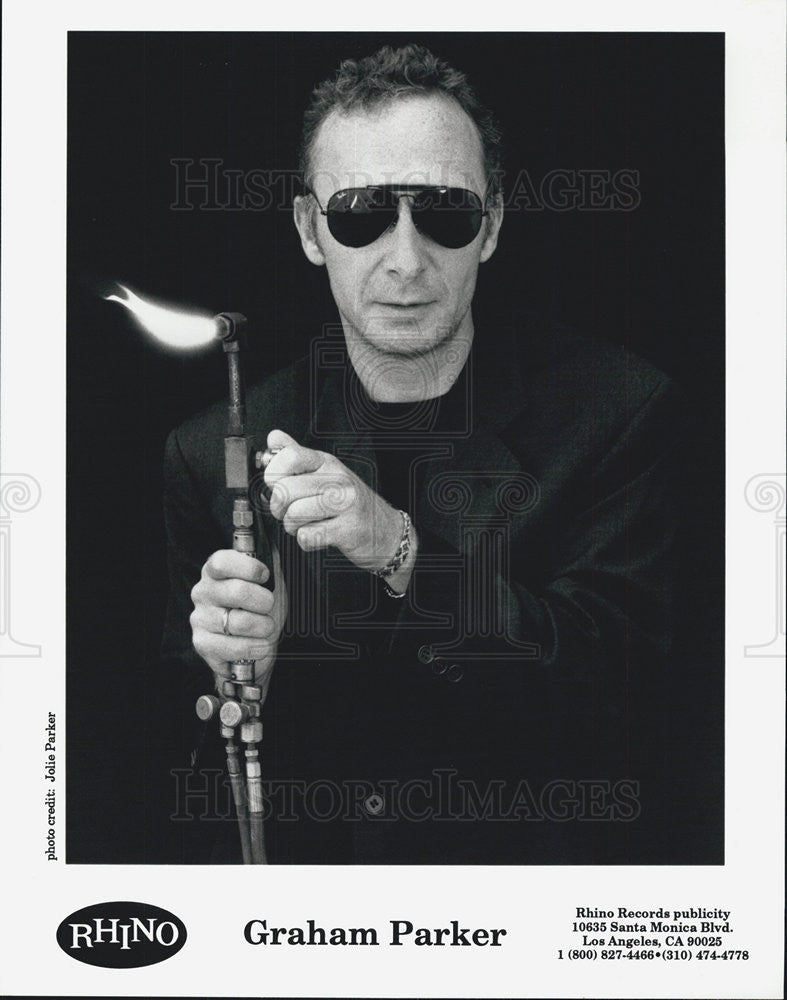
(225, 622)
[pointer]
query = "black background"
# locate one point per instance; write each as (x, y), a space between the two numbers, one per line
(651, 278)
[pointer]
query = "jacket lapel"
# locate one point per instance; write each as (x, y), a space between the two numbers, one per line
(473, 483)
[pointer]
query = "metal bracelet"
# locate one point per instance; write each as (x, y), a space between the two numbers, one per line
(401, 553)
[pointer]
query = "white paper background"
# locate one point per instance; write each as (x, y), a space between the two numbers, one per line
(537, 905)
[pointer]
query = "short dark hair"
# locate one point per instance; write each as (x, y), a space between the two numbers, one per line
(393, 73)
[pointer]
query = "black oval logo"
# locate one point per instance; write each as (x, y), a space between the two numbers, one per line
(121, 935)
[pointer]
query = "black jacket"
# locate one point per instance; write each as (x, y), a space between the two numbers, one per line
(512, 708)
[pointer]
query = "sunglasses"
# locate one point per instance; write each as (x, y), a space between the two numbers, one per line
(359, 216)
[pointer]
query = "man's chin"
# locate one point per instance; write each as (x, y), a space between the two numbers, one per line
(405, 340)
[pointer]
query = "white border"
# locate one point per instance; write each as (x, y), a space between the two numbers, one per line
(536, 904)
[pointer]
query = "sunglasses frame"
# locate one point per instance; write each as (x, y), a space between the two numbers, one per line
(402, 191)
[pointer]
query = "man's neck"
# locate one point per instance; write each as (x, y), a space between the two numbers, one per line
(402, 378)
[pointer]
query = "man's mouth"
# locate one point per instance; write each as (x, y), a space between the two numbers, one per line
(406, 305)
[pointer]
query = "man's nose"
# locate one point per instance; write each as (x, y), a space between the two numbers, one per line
(405, 252)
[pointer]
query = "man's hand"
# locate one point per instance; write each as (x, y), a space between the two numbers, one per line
(233, 582)
(321, 502)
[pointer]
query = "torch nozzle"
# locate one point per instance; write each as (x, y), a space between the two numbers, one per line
(229, 325)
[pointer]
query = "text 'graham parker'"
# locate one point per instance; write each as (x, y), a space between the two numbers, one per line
(402, 932)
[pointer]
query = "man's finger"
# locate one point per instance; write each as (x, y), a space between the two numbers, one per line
(333, 490)
(244, 624)
(275, 442)
(227, 564)
(312, 509)
(318, 535)
(279, 439)
(293, 460)
(240, 594)
(226, 648)
(239, 623)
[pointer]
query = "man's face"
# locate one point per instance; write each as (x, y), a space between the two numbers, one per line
(404, 294)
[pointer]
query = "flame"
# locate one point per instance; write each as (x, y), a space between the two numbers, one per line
(173, 327)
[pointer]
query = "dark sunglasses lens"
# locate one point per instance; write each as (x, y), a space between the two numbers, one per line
(451, 218)
(356, 230)
(358, 217)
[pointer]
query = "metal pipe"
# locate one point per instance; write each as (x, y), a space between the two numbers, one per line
(242, 707)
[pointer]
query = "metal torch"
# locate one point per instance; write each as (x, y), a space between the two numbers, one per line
(239, 714)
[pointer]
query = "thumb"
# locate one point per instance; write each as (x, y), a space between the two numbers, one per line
(279, 439)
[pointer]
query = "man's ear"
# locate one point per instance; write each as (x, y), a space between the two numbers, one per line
(304, 213)
(493, 220)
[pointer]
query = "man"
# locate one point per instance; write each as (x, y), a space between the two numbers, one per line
(467, 641)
